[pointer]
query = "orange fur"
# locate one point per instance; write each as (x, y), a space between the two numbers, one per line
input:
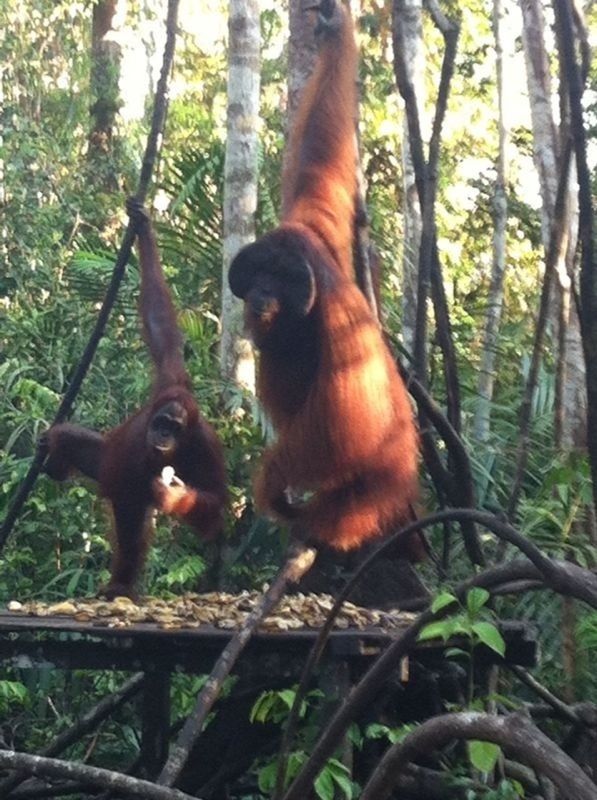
(346, 438)
(319, 183)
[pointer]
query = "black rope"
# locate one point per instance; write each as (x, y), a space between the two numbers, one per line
(149, 159)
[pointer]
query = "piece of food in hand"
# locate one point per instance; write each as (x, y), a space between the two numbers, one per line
(170, 478)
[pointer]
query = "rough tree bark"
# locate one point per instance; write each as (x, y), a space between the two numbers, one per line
(500, 218)
(240, 177)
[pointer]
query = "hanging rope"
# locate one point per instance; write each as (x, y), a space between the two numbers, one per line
(149, 159)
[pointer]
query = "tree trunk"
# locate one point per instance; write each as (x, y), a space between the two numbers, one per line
(571, 401)
(106, 56)
(500, 218)
(240, 177)
(412, 42)
(302, 49)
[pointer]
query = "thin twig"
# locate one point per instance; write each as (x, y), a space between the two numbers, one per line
(149, 158)
(562, 709)
(299, 560)
(450, 31)
(426, 172)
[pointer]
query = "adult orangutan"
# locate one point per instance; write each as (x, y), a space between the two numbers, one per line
(346, 439)
(166, 456)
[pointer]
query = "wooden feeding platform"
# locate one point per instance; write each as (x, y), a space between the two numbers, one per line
(188, 633)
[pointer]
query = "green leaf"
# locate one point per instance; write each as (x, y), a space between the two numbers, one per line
(442, 600)
(456, 652)
(14, 691)
(355, 736)
(324, 785)
(436, 630)
(376, 731)
(262, 707)
(475, 600)
(341, 776)
(399, 734)
(489, 635)
(287, 696)
(266, 779)
(483, 755)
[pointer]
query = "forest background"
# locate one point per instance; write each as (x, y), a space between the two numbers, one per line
(74, 104)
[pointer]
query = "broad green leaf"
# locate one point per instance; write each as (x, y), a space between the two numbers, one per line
(490, 636)
(266, 780)
(324, 785)
(287, 696)
(262, 707)
(456, 652)
(475, 600)
(341, 776)
(483, 755)
(442, 600)
(436, 630)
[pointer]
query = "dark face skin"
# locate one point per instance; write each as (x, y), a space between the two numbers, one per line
(165, 429)
(263, 303)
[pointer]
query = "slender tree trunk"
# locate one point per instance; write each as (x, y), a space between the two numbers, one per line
(500, 218)
(412, 42)
(302, 49)
(571, 403)
(106, 56)
(545, 151)
(240, 177)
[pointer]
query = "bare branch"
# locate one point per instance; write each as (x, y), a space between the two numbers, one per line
(90, 776)
(562, 709)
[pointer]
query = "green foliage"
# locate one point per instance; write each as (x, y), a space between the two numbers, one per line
(275, 706)
(483, 755)
(333, 778)
(12, 693)
(553, 515)
(393, 735)
(470, 623)
(506, 790)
